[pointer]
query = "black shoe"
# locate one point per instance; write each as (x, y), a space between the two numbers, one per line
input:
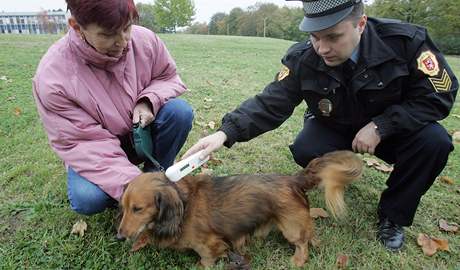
(390, 234)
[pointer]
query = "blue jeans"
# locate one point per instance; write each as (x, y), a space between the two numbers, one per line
(169, 132)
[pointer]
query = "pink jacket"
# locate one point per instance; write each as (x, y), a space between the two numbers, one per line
(86, 99)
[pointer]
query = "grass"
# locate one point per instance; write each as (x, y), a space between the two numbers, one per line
(35, 218)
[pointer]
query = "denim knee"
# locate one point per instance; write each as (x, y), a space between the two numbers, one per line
(85, 197)
(179, 111)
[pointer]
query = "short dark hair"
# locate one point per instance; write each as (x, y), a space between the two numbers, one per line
(356, 13)
(109, 14)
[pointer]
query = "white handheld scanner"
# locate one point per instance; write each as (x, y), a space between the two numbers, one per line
(184, 167)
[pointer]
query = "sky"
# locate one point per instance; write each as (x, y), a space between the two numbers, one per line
(204, 8)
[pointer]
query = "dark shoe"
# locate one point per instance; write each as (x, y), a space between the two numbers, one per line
(390, 234)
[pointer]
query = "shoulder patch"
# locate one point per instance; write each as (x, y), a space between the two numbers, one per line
(428, 64)
(443, 83)
(284, 72)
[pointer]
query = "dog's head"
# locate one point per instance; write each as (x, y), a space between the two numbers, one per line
(151, 202)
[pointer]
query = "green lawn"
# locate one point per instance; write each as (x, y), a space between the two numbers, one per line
(35, 218)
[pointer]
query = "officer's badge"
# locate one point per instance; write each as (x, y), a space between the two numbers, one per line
(428, 64)
(325, 106)
(283, 73)
(443, 83)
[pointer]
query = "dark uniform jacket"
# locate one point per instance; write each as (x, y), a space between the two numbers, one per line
(401, 82)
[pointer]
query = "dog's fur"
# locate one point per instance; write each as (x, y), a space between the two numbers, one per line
(213, 215)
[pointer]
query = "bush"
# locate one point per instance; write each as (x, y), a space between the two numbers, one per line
(448, 45)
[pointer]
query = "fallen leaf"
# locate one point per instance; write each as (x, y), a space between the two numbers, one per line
(210, 83)
(206, 171)
(371, 162)
(79, 228)
(456, 136)
(446, 180)
(384, 168)
(448, 227)
(17, 111)
(342, 261)
(431, 245)
(318, 212)
(211, 124)
(214, 161)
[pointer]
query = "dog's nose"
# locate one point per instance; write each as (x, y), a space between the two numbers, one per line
(120, 237)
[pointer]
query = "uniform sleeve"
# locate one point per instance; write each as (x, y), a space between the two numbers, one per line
(165, 83)
(81, 142)
(267, 110)
(429, 93)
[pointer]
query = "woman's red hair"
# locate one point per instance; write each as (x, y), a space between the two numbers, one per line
(108, 14)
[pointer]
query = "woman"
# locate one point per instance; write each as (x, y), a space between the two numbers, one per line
(92, 85)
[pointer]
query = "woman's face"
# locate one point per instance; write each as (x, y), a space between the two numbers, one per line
(108, 42)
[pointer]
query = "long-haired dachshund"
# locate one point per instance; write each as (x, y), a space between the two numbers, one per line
(213, 215)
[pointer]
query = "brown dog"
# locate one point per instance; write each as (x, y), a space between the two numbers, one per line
(212, 215)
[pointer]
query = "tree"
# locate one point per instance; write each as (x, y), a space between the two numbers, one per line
(216, 24)
(146, 16)
(198, 28)
(439, 17)
(171, 14)
(232, 20)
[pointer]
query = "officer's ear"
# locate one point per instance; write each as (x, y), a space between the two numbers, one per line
(362, 23)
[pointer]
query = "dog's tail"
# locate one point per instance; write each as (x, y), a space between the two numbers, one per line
(333, 172)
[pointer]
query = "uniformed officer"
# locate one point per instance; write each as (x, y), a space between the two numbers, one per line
(372, 86)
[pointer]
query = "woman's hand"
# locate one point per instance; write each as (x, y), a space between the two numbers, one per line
(209, 144)
(143, 113)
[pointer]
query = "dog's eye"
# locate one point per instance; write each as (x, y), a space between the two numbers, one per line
(136, 209)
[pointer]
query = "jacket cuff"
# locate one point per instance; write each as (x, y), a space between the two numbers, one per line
(153, 100)
(384, 126)
(231, 131)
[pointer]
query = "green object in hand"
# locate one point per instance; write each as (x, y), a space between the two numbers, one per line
(142, 138)
(143, 144)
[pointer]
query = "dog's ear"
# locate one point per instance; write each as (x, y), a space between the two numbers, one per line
(170, 213)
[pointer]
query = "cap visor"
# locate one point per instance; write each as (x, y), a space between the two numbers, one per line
(323, 22)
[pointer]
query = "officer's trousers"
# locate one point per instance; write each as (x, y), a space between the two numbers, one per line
(418, 159)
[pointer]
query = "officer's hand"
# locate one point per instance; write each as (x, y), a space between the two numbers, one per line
(209, 144)
(143, 114)
(366, 140)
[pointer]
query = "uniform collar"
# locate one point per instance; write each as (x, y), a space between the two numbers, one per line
(355, 55)
(371, 51)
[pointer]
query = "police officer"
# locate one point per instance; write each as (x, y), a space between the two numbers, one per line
(372, 86)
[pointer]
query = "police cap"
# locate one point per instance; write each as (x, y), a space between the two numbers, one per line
(322, 14)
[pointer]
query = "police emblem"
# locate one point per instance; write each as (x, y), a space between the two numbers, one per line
(428, 64)
(283, 73)
(325, 106)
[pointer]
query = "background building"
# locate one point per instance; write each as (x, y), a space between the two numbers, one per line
(43, 22)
